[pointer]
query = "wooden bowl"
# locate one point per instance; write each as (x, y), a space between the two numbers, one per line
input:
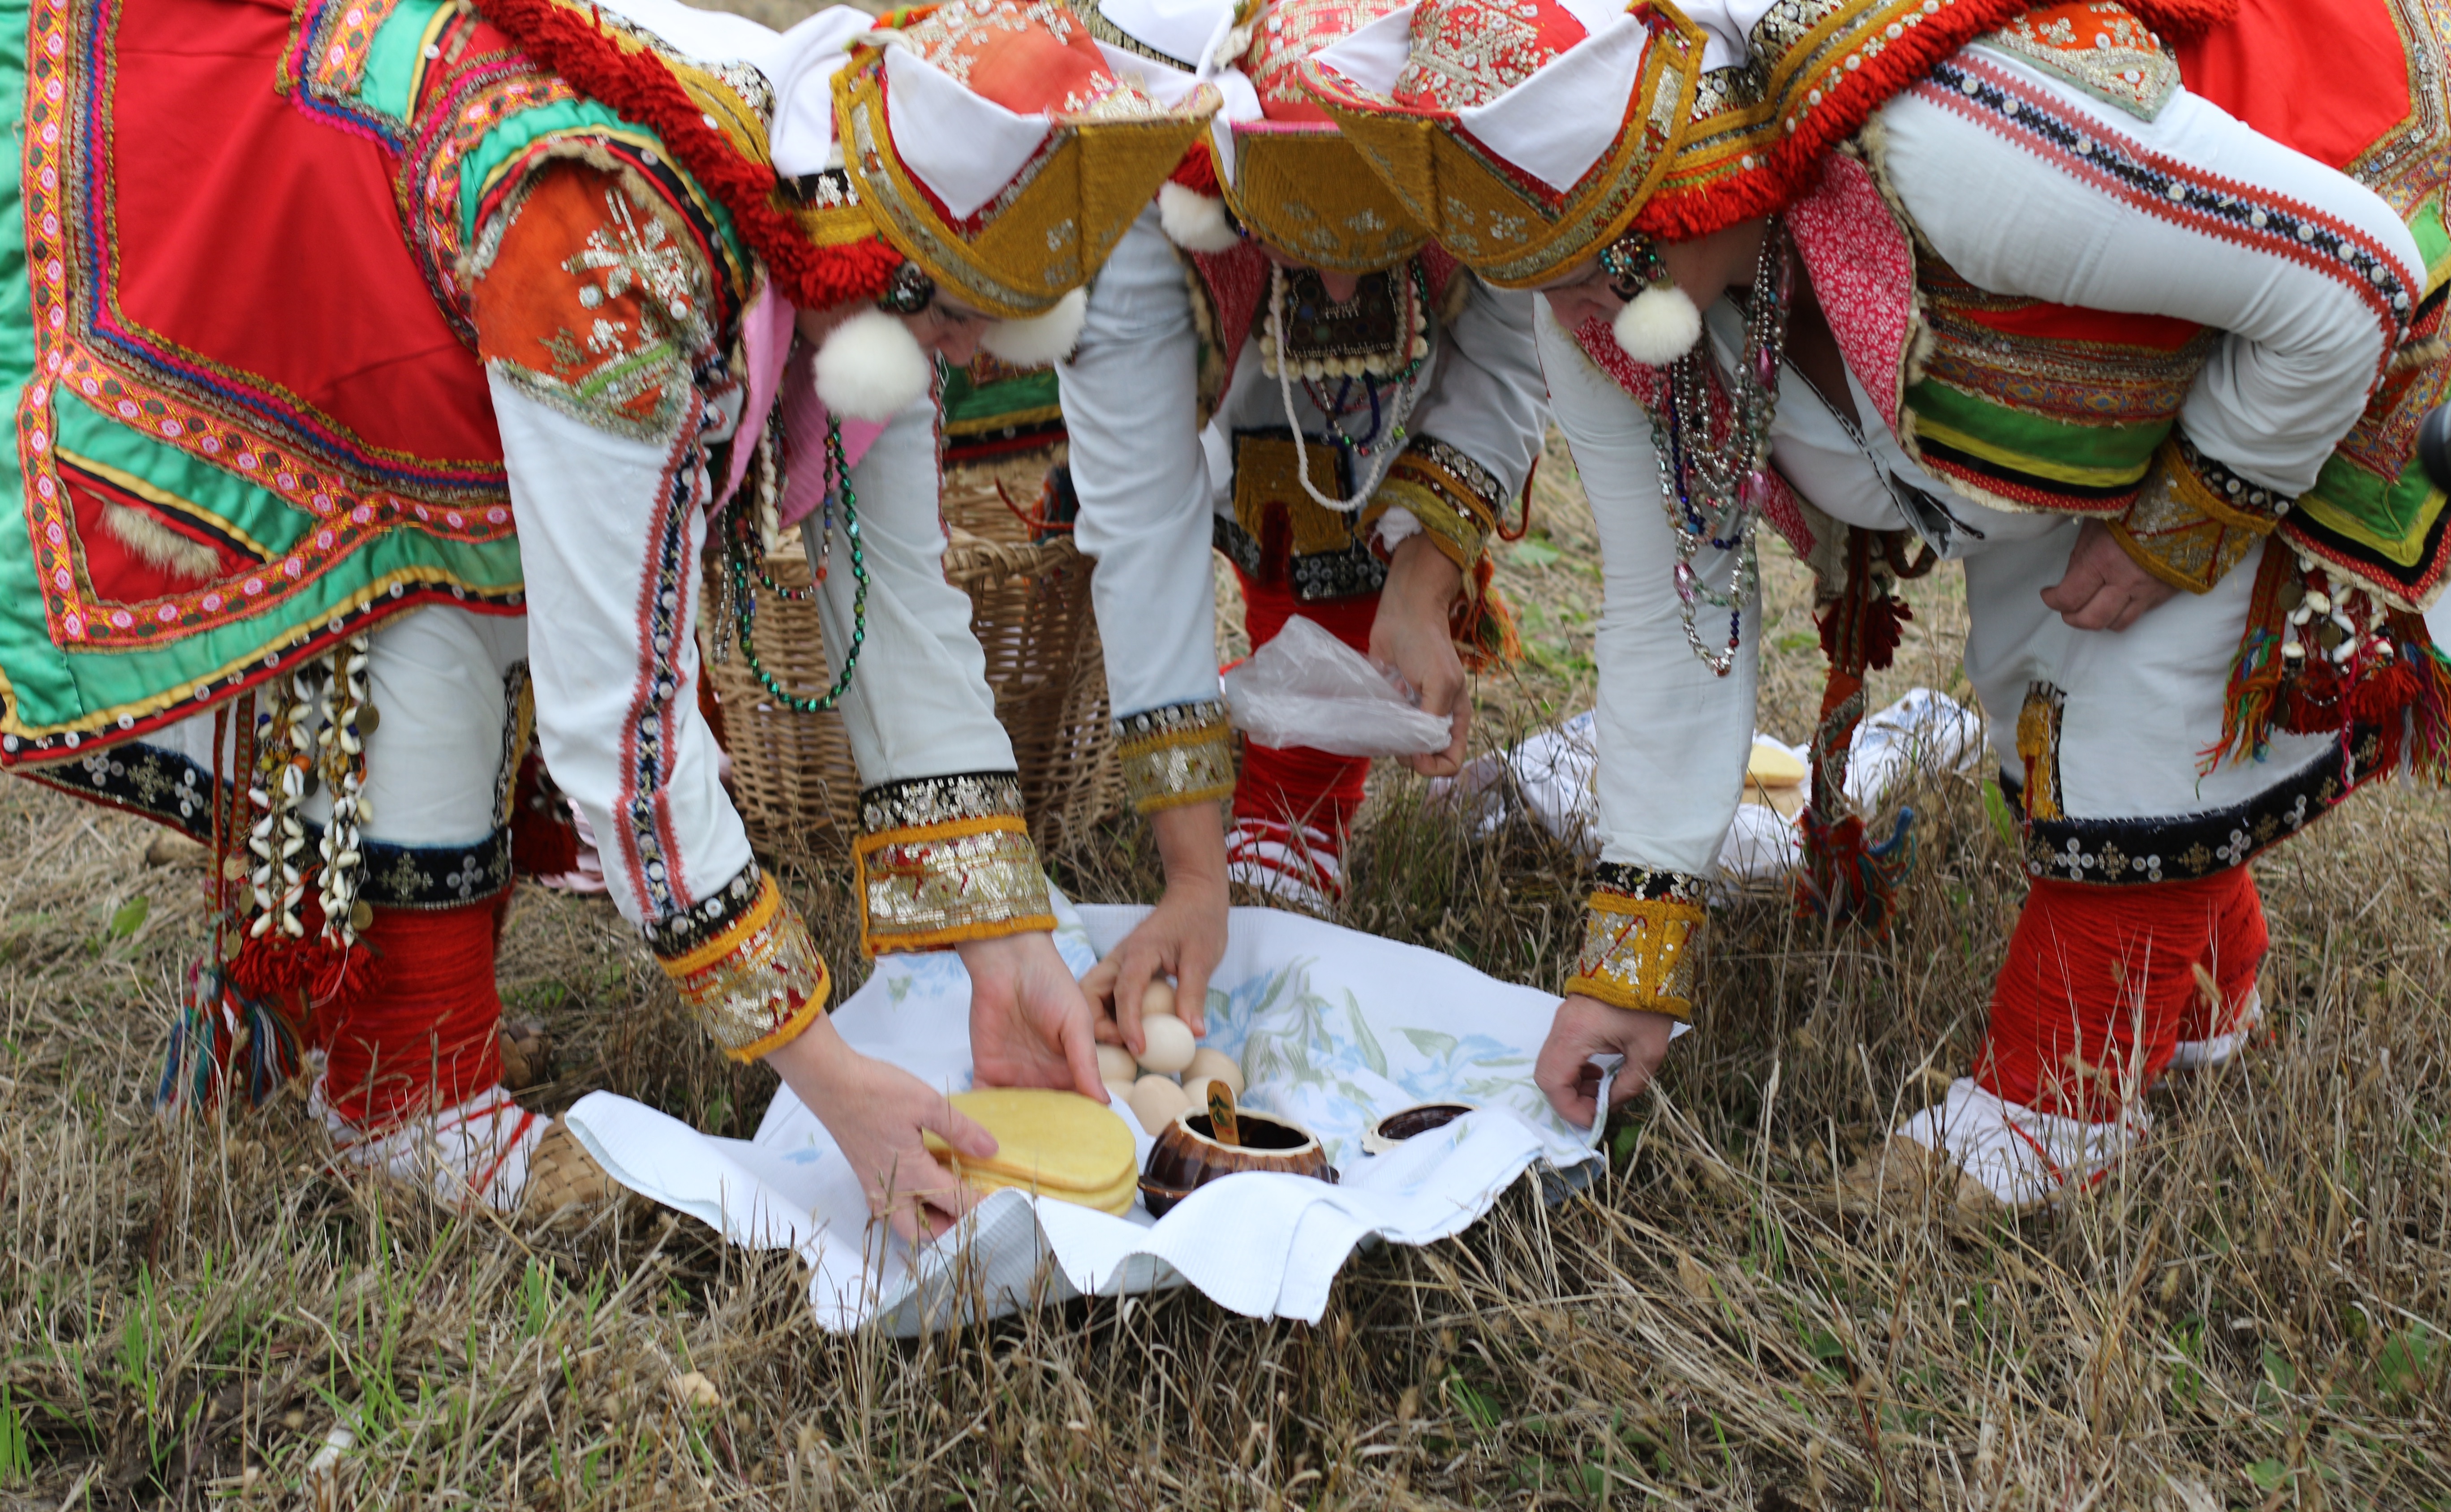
(1188, 1157)
(1404, 1123)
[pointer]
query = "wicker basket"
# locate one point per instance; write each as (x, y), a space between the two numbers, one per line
(791, 773)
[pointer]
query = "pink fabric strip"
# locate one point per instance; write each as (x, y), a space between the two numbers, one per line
(1863, 273)
(804, 432)
(769, 339)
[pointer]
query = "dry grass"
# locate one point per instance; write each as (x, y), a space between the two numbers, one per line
(2254, 1317)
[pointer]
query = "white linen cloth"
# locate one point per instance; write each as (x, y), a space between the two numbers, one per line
(1334, 1028)
(1552, 776)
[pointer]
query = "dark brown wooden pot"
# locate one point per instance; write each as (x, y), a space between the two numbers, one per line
(1187, 1156)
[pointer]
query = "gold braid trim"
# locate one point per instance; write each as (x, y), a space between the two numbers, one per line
(2194, 520)
(1454, 497)
(1640, 935)
(1177, 756)
(758, 984)
(944, 860)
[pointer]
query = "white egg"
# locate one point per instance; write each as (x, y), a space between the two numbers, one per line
(1120, 1092)
(1156, 1102)
(1116, 1064)
(1166, 1044)
(1158, 998)
(1213, 1065)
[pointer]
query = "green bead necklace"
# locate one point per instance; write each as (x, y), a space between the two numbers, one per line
(743, 549)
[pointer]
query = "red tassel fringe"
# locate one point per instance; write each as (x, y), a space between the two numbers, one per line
(2402, 693)
(316, 968)
(1198, 171)
(1846, 876)
(638, 85)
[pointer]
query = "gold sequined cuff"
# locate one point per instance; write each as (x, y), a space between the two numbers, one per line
(746, 966)
(2195, 519)
(1179, 754)
(1454, 497)
(946, 860)
(1640, 930)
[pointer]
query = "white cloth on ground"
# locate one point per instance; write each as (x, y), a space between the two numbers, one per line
(1334, 1028)
(1550, 776)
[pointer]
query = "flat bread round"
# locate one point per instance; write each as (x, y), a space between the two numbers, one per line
(1774, 768)
(1059, 1142)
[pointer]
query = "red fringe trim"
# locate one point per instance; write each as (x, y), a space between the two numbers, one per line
(2185, 20)
(2429, 705)
(641, 88)
(1793, 164)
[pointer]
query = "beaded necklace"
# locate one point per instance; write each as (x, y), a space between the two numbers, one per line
(741, 548)
(1713, 467)
(1404, 384)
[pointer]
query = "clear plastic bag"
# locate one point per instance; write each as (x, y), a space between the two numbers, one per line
(1307, 687)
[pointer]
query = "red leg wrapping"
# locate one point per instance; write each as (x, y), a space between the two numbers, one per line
(1295, 783)
(429, 1038)
(2088, 1007)
(2238, 944)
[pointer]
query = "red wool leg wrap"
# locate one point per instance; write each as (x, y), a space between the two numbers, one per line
(1296, 783)
(429, 1038)
(2097, 984)
(2238, 944)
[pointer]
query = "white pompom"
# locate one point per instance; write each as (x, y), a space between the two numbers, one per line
(1041, 339)
(871, 367)
(1194, 221)
(1657, 326)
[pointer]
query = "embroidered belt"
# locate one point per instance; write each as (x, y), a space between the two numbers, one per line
(1179, 754)
(745, 966)
(946, 860)
(1640, 930)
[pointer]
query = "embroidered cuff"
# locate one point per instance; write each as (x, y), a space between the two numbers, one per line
(1179, 754)
(2195, 519)
(946, 860)
(1455, 499)
(1640, 930)
(745, 965)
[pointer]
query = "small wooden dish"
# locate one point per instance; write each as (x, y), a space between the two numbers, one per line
(1405, 1122)
(1187, 1156)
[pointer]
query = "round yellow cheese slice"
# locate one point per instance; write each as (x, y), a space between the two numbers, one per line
(1116, 1199)
(1774, 768)
(1059, 1142)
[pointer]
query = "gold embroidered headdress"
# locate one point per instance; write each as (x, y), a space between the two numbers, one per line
(990, 142)
(1289, 175)
(1526, 134)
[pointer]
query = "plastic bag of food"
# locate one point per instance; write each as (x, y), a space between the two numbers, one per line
(1307, 687)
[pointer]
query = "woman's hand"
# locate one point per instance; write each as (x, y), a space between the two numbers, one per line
(2104, 587)
(1584, 1028)
(1030, 1025)
(1412, 634)
(1183, 935)
(877, 1113)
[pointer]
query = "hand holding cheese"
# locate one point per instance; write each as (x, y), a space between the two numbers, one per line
(1055, 1143)
(890, 1125)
